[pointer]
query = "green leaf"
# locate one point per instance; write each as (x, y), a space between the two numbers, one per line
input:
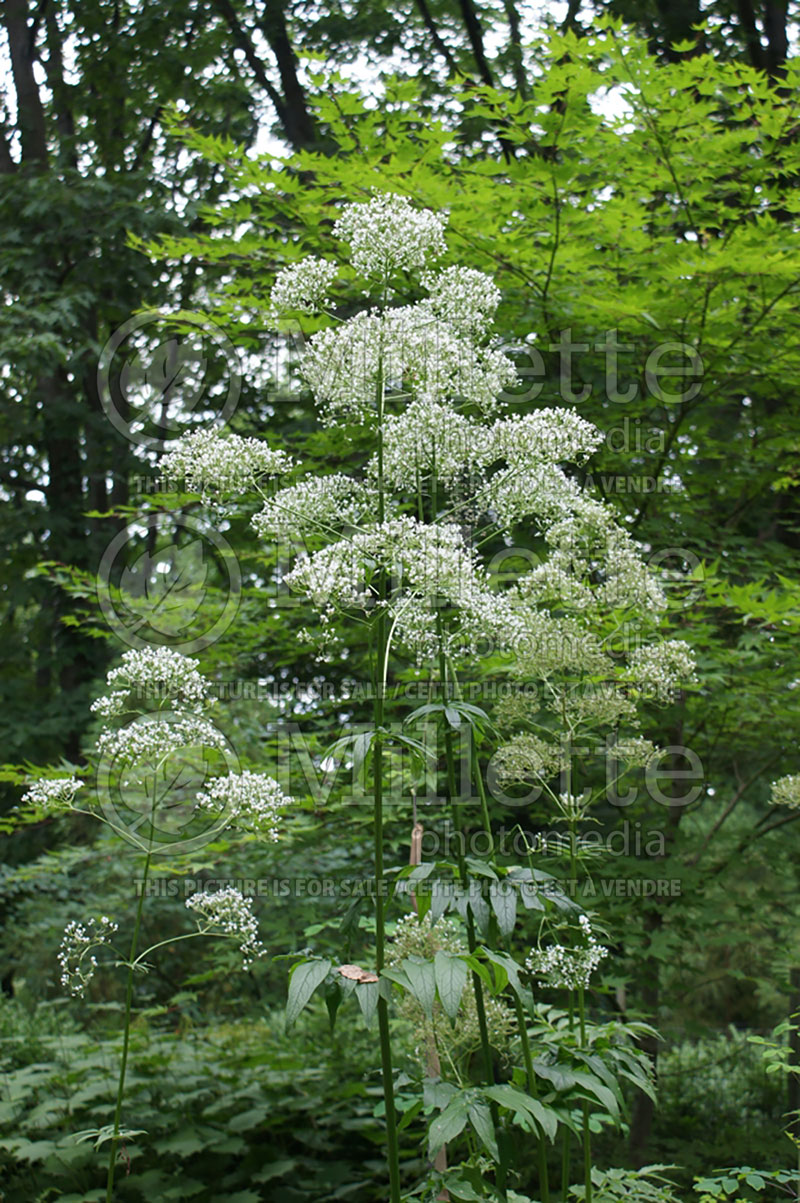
(448, 1125)
(305, 977)
(601, 1092)
(504, 905)
(367, 997)
(481, 1119)
(451, 978)
(524, 1105)
(422, 980)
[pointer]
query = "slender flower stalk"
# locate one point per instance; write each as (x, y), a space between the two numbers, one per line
(480, 1002)
(126, 1030)
(380, 665)
(522, 1023)
(587, 1138)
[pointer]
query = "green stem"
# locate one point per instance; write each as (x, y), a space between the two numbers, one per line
(587, 1139)
(480, 1004)
(380, 679)
(522, 1024)
(112, 1156)
(565, 1165)
(192, 935)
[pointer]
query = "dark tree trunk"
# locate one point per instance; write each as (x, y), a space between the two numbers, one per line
(298, 122)
(30, 113)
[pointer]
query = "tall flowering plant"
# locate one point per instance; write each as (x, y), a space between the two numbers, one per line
(398, 546)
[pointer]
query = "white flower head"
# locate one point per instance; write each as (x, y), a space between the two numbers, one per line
(465, 298)
(54, 793)
(217, 465)
(227, 912)
(429, 436)
(151, 738)
(155, 673)
(524, 758)
(313, 505)
(571, 968)
(658, 669)
(303, 286)
(786, 791)
(252, 801)
(411, 352)
(388, 234)
(76, 953)
(634, 751)
(545, 436)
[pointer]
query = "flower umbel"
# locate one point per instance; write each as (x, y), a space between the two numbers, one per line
(55, 794)
(252, 801)
(303, 286)
(155, 672)
(786, 791)
(216, 465)
(76, 956)
(151, 738)
(568, 967)
(227, 912)
(388, 234)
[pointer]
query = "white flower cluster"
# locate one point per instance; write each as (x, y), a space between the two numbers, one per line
(227, 912)
(546, 436)
(427, 565)
(155, 673)
(415, 937)
(524, 758)
(410, 351)
(426, 437)
(786, 791)
(303, 286)
(214, 465)
(314, 505)
(252, 801)
(540, 490)
(388, 234)
(149, 739)
(595, 703)
(464, 298)
(593, 562)
(432, 560)
(422, 938)
(76, 956)
(55, 793)
(634, 751)
(571, 968)
(543, 645)
(658, 669)
(573, 808)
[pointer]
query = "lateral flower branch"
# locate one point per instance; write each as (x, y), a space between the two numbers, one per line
(154, 717)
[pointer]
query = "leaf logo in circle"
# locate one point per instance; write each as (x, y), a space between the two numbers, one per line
(164, 591)
(160, 373)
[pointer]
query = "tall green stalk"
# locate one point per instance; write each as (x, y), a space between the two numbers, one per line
(379, 682)
(112, 1156)
(544, 1177)
(587, 1140)
(480, 1002)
